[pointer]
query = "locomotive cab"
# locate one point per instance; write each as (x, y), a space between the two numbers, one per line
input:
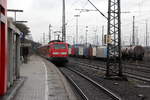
(58, 51)
(55, 51)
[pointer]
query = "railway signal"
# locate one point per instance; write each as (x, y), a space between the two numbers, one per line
(107, 39)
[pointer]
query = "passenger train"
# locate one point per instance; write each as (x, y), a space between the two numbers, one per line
(55, 51)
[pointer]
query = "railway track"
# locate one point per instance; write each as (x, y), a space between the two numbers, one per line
(143, 66)
(138, 64)
(88, 88)
(127, 73)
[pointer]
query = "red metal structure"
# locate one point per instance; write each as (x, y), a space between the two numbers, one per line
(55, 51)
(3, 47)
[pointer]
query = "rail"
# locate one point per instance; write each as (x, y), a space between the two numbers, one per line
(107, 91)
(78, 89)
(131, 75)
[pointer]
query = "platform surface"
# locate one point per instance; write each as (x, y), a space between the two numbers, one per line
(44, 82)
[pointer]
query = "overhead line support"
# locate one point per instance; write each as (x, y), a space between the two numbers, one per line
(114, 66)
(97, 9)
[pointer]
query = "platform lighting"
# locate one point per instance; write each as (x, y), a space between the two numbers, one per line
(15, 11)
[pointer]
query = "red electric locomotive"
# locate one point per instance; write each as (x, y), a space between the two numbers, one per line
(56, 51)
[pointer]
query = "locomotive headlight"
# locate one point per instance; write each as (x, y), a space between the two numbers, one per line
(55, 53)
(64, 53)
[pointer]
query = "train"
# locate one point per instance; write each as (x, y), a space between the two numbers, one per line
(127, 53)
(89, 51)
(56, 51)
(133, 52)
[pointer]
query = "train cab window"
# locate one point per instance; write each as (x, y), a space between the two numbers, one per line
(59, 46)
(69, 46)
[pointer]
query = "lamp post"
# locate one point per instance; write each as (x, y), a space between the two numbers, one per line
(15, 12)
(56, 33)
(86, 35)
(50, 32)
(76, 27)
(63, 23)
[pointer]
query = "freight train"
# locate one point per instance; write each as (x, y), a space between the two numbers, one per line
(127, 53)
(133, 52)
(56, 51)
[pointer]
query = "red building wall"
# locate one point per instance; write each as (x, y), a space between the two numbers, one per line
(3, 47)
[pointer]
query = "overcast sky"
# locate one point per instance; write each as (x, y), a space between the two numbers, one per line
(41, 13)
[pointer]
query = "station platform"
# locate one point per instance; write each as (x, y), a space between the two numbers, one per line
(43, 82)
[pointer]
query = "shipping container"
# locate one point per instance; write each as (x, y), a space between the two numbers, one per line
(101, 52)
(80, 51)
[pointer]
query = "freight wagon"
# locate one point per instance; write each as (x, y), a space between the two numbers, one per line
(130, 52)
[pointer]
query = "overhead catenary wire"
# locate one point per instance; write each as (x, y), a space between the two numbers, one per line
(124, 23)
(68, 22)
(97, 9)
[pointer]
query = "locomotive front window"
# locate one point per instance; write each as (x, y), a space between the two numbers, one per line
(59, 46)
